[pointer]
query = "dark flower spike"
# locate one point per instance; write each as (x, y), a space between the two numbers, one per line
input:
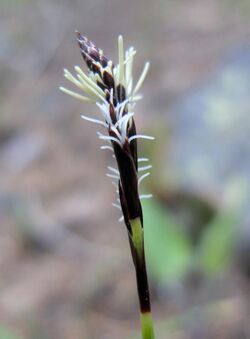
(111, 88)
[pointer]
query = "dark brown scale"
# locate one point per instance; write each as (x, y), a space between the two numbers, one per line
(129, 180)
(107, 95)
(81, 40)
(96, 69)
(84, 43)
(104, 61)
(121, 93)
(112, 114)
(124, 208)
(90, 62)
(86, 58)
(92, 66)
(125, 111)
(101, 85)
(133, 144)
(91, 52)
(108, 80)
(141, 278)
(114, 101)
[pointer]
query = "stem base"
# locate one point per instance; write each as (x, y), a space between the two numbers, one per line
(147, 326)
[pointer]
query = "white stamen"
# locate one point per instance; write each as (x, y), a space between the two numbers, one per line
(74, 94)
(129, 87)
(129, 67)
(93, 94)
(142, 77)
(86, 86)
(121, 59)
(70, 77)
(87, 80)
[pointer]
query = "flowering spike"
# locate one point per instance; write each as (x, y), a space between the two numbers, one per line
(111, 87)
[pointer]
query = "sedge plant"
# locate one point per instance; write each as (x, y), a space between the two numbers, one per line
(111, 88)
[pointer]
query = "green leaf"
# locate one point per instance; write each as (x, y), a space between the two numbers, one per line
(215, 250)
(168, 250)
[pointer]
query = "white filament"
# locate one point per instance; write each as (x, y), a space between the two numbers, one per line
(142, 78)
(74, 94)
(121, 60)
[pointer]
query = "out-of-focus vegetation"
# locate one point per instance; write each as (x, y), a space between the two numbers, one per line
(6, 334)
(169, 241)
(168, 247)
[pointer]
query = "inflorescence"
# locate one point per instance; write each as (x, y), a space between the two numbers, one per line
(111, 87)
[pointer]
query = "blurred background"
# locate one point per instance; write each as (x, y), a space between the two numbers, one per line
(65, 265)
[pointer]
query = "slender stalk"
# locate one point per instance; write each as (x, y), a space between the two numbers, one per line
(138, 254)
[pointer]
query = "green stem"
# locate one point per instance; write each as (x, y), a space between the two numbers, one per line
(138, 254)
(147, 327)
